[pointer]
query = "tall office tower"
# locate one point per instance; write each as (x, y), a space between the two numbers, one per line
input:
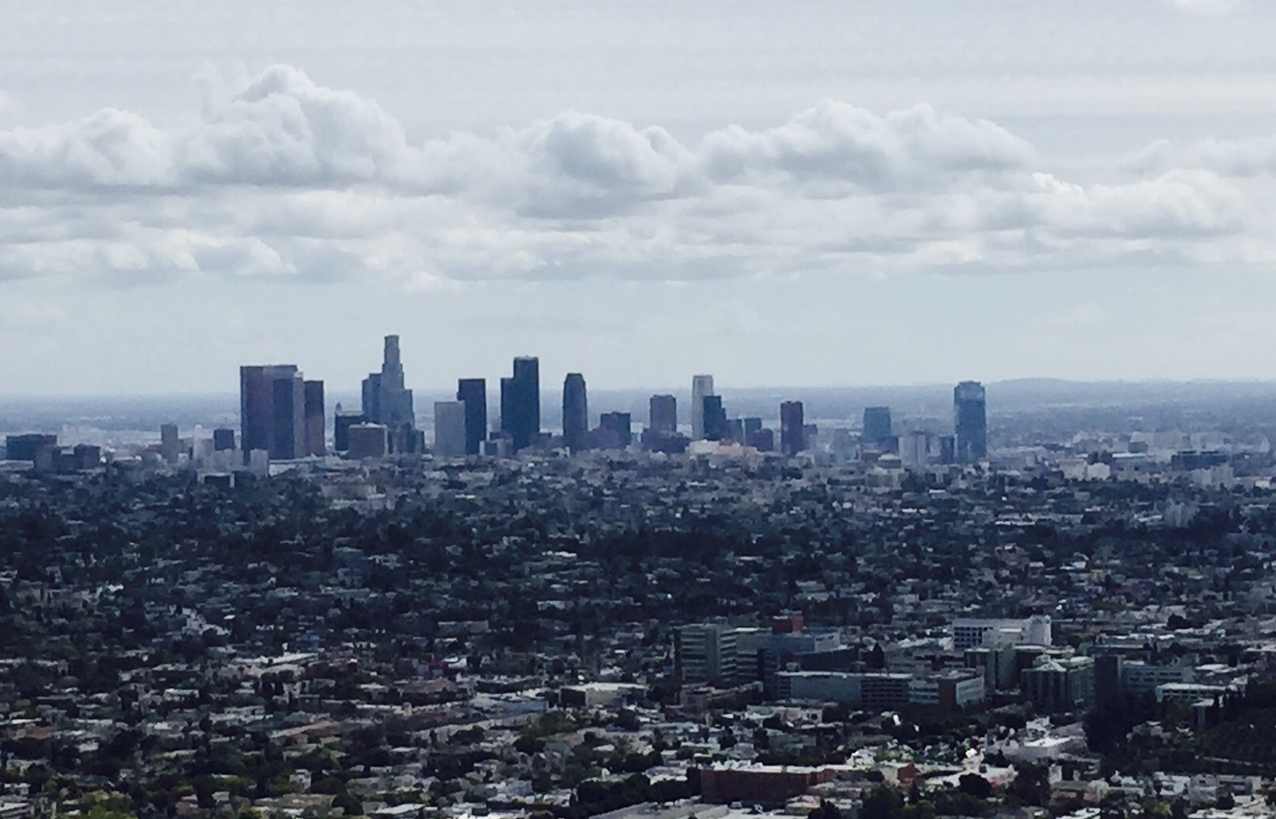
(701, 388)
(575, 412)
(877, 426)
(473, 391)
(792, 428)
(387, 402)
(763, 440)
(914, 448)
(735, 430)
(223, 439)
(751, 425)
(169, 446)
(970, 422)
(616, 429)
(24, 447)
(713, 417)
(372, 398)
(367, 441)
(449, 429)
(315, 444)
(662, 413)
(341, 423)
(521, 402)
(272, 411)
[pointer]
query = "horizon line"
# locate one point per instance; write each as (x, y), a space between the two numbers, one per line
(25, 397)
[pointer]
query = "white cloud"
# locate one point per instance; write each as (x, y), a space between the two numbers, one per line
(835, 141)
(280, 177)
(1206, 6)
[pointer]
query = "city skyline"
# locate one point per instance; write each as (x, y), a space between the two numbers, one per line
(1079, 191)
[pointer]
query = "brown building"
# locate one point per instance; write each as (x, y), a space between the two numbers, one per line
(765, 784)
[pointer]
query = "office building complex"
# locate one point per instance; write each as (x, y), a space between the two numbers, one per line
(969, 632)
(713, 419)
(761, 439)
(792, 428)
(170, 446)
(877, 426)
(272, 411)
(367, 441)
(701, 388)
(341, 423)
(663, 414)
(387, 402)
(615, 430)
(24, 447)
(473, 392)
(372, 397)
(915, 448)
(706, 652)
(521, 403)
(575, 413)
(449, 429)
(970, 422)
(314, 418)
(223, 440)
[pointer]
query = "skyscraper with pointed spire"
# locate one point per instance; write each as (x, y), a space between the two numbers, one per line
(386, 401)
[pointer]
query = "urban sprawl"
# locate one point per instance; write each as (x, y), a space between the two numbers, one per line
(335, 614)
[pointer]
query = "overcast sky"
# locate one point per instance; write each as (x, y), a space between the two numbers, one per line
(780, 193)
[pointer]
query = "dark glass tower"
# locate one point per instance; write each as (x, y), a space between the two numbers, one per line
(473, 391)
(714, 418)
(663, 413)
(341, 423)
(616, 429)
(315, 444)
(792, 428)
(970, 422)
(877, 425)
(575, 412)
(521, 402)
(272, 407)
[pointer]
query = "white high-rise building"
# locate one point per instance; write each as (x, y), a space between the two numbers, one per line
(449, 429)
(914, 447)
(701, 386)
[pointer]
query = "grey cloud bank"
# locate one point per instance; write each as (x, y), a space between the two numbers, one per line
(284, 177)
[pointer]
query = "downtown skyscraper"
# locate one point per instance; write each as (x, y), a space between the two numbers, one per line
(970, 422)
(575, 413)
(877, 426)
(662, 414)
(792, 427)
(521, 403)
(701, 388)
(473, 391)
(272, 406)
(387, 402)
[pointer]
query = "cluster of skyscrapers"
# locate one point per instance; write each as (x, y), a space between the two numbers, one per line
(282, 415)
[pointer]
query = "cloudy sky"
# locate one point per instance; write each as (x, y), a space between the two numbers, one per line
(795, 193)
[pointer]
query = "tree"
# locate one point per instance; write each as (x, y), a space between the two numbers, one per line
(826, 810)
(883, 802)
(974, 785)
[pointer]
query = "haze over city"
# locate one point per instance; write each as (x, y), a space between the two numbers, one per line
(810, 194)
